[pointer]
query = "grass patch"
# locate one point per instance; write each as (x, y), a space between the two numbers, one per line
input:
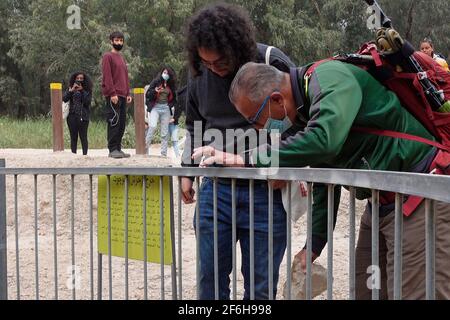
(37, 134)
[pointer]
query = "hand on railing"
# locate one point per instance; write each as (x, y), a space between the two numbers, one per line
(211, 156)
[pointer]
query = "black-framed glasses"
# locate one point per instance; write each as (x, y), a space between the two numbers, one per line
(219, 63)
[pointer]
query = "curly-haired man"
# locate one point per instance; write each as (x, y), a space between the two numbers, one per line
(220, 39)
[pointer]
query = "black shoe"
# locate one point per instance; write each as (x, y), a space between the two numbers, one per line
(116, 154)
(124, 155)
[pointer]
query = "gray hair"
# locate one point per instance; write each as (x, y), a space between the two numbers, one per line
(256, 81)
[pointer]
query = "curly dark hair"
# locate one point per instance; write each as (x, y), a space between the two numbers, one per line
(172, 83)
(224, 28)
(87, 83)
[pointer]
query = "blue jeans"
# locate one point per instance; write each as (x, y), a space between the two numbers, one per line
(159, 111)
(224, 226)
(173, 133)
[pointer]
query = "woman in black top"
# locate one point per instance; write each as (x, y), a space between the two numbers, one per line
(79, 95)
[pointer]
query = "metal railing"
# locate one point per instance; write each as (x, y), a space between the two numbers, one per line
(431, 187)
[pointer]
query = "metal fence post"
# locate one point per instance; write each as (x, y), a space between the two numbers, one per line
(3, 248)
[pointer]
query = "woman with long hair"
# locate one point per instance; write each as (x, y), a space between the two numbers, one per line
(426, 46)
(79, 95)
(160, 98)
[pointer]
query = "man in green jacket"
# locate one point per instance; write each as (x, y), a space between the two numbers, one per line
(315, 115)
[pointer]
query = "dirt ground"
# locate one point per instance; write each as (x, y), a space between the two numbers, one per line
(82, 226)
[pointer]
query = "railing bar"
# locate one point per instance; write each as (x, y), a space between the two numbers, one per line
(126, 239)
(375, 240)
(398, 246)
(330, 241)
(180, 244)
(91, 235)
(16, 222)
(430, 268)
(216, 244)
(252, 239)
(55, 239)
(197, 233)
(36, 236)
(108, 191)
(161, 233)
(270, 243)
(352, 248)
(309, 188)
(144, 235)
(233, 237)
(72, 232)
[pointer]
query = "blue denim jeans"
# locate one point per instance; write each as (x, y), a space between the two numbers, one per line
(261, 253)
(162, 112)
(173, 133)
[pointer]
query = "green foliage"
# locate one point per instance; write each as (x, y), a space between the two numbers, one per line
(37, 48)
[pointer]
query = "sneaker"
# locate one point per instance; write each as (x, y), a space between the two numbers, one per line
(124, 155)
(116, 154)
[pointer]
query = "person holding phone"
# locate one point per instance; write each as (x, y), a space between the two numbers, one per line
(160, 98)
(79, 96)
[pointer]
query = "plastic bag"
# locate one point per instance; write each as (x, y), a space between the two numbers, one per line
(65, 109)
(299, 199)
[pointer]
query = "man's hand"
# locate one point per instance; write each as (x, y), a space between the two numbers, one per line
(302, 257)
(172, 120)
(213, 156)
(187, 192)
(129, 99)
(114, 99)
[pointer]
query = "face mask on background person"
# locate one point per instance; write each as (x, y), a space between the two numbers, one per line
(165, 76)
(118, 47)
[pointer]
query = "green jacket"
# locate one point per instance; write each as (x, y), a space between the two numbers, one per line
(340, 96)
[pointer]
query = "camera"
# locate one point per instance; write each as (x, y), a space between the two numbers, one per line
(79, 83)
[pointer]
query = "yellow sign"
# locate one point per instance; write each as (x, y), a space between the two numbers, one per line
(135, 218)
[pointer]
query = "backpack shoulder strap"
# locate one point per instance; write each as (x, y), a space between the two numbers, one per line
(268, 51)
(401, 135)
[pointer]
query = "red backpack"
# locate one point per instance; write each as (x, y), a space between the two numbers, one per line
(413, 97)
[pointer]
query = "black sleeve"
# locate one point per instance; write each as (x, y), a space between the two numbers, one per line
(151, 93)
(192, 115)
(179, 108)
(174, 99)
(87, 98)
(67, 95)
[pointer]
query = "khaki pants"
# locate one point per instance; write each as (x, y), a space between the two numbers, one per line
(413, 266)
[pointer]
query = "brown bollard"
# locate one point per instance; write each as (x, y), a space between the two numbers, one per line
(139, 120)
(56, 99)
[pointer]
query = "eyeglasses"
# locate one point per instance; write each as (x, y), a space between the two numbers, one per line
(218, 64)
(255, 118)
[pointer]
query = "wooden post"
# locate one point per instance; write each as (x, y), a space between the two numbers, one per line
(57, 121)
(139, 120)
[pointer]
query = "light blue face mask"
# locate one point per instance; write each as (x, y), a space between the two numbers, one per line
(278, 125)
(165, 76)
